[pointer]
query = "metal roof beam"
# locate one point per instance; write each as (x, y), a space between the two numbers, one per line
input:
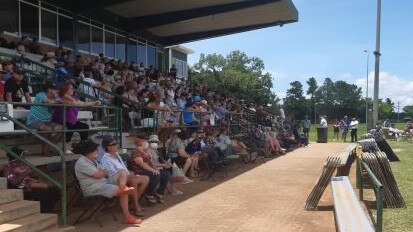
(155, 20)
(83, 6)
(178, 39)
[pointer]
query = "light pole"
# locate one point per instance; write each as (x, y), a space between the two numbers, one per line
(315, 112)
(367, 85)
(377, 66)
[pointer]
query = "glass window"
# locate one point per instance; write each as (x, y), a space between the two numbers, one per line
(142, 53)
(29, 20)
(49, 27)
(97, 40)
(132, 50)
(120, 47)
(160, 61)
(151, 56)
(84, 37)
(66, 31)
(109, 45)
(9, 11)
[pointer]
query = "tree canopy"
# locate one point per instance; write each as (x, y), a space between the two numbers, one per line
(236, 74)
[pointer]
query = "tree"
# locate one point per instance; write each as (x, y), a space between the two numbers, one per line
(312, 87)
(385, 109)
(237, 75)
(408, 110)
(339, 98)
(295, 103)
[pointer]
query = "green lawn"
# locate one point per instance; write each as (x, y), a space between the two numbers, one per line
(399, 220)
(313, 132)
(361, 130)
(394, 220)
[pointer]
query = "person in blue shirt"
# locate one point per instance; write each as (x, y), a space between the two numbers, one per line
(39, 117)
(112, 163)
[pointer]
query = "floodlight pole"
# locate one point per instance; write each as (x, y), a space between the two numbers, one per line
(367, 86)
(377, 66)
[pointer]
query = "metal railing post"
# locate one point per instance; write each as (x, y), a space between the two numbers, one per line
(64, 129)
(379, 220)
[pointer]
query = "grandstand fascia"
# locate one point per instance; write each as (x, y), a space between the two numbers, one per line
(138, 30)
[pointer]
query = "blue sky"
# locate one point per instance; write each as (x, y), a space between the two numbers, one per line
(329, 41)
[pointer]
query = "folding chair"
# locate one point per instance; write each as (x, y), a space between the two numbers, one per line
(93, 206)
(262, 150)
(215, 164)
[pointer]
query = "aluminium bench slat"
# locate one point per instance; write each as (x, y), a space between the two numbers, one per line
(350, 216)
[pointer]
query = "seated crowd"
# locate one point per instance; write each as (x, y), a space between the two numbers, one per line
(149, 98)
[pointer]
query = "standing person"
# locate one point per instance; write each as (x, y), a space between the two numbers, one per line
(323, 122)
(336, 127)
(94, 181)
(344, 128)
(353, 129)
(306, 126)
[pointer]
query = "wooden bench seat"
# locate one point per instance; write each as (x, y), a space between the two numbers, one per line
(349, 215)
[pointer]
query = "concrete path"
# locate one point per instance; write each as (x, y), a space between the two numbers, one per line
(256, 197)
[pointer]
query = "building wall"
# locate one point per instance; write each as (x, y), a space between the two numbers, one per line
(180, 60)
(54, 26)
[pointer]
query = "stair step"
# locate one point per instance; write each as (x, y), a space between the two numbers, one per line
(15, 210)
(33, 223)
(64, 229)
(3, 182)
(10, 195)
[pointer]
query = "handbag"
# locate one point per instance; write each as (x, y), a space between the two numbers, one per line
(178, 174)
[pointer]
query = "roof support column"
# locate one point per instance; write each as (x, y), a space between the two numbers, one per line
(75, 35)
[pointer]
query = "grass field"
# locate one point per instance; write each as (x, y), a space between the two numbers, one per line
(394, 220)
(360, 131)
(401, 220)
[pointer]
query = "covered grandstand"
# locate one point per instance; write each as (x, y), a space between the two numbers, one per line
(136, 31)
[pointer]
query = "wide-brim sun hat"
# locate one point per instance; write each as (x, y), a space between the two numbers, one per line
(154, 138)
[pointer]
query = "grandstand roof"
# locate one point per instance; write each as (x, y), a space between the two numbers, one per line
(178, 21)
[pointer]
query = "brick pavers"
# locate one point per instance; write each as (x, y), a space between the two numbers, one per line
(256, 197)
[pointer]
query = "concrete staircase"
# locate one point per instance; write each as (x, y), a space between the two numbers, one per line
(19, 215)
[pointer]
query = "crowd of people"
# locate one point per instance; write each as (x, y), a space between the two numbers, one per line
(148, 98)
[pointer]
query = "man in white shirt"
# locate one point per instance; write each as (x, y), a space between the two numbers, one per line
(323, 122)
(353, 129)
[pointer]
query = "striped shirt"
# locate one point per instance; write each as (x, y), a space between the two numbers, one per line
(39, 113)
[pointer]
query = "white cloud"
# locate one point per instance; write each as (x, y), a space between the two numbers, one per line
(390, 86)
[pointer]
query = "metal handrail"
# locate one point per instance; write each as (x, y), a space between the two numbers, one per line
(62, 185)
(378, 190)
(37, 134)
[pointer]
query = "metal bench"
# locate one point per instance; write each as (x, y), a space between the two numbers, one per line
(349, 214)
(347, 157)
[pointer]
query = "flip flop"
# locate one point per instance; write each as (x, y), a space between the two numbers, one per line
(131, 220)
(125, 191)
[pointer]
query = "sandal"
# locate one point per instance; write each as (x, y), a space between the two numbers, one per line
(125, 191)
(132, 220)
(160, 198)
(139, 213)
(151, 199)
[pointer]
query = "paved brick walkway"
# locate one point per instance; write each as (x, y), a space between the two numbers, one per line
(257, 197)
